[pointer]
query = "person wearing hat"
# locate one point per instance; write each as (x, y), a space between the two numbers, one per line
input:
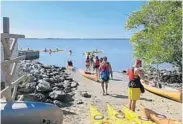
(135, 88)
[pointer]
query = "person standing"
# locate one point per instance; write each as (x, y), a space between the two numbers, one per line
(135, 88)
(70, 52)
(87, 64)
(104, 70)
(96, 66)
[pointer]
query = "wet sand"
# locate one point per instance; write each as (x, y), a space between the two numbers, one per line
(79, 113)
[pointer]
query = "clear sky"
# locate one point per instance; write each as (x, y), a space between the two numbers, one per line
(61, 19)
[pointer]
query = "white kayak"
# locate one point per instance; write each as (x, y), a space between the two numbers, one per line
(25, 112)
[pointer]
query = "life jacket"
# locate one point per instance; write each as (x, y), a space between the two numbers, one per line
(131, 74)
(97, 62)
(105, 67)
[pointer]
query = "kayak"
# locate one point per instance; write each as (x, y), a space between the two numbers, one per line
(89, 75)
(25, 112)
(51, 50)
(158, 118)
(135, 117)
(96, 116)
(116, 117)
(174, 95)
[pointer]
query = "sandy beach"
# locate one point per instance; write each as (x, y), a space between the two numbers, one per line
(79, 113)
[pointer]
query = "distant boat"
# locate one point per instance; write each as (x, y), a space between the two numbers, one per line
(94, 51)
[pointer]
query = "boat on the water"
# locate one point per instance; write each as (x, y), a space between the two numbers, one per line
(174, 95)
(158, 118)
(25, 112)
(89, 75)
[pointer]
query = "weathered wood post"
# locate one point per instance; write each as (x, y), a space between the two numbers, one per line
(9, 63)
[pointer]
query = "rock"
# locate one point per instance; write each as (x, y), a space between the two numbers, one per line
(74, 84)
(31, 86)
(58, 103)
(43, 86)
(59, 85)
(55, 88)
(79, 101)
(58, 95)
(85, 94)
(35, 97)
(24, 90)
(49, 101)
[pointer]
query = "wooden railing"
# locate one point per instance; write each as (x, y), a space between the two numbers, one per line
(9, 64)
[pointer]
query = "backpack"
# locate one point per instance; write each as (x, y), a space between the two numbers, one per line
(105, 74)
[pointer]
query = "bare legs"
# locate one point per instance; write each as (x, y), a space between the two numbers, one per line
(132, 105)
(106, 87)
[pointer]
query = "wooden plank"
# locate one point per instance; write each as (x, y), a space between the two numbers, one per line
(6, 35)
(21, 98)
(6, 28)
(12, 46)
(8, 62)
(14, 92)
(8, 88)
(5, 43)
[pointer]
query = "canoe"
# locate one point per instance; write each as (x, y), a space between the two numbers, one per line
(89, 75)
(96, 116)
(24, 112)
(174, 95)
(116, 117)
(135, 117)
(158, 118)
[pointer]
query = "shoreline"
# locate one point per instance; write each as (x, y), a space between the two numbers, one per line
(118, 96)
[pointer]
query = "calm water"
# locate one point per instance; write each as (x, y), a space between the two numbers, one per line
(119, 52)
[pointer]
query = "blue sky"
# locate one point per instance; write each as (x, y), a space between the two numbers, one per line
(61, 19)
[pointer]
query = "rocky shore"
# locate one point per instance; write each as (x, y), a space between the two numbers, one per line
(47, 83)
(171, 79)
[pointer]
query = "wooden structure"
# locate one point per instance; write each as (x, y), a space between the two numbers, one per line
(29, 55)
(9, 64)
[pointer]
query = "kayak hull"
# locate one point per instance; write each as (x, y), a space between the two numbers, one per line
(96, 116)
(174, 95)
(89, 75)
(116, 117)
(24, 112)
(134, 116)
(159, 119)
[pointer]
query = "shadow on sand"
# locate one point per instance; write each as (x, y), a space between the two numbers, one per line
(119, 96)
(116, 79)
(68, 112)
(149, 100)
(126, 97)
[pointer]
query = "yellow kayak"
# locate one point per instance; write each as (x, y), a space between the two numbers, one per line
(116, 117)
(158, 118)
(135, 117)
(96, 116)
(174, 95)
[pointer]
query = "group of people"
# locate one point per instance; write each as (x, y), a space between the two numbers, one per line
(103, 69)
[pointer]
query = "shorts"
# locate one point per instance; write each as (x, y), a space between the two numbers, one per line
(134, 93)
(105, 81)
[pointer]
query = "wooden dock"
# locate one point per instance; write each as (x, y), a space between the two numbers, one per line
(29, 54)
